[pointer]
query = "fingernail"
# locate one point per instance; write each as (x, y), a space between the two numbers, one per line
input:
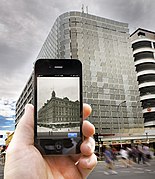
(26, 108)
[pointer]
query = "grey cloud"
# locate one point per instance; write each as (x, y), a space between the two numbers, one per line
(137, 13)
(24, 25)
(11, 58)
(23, 28)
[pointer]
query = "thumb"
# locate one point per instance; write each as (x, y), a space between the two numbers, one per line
(24, 132)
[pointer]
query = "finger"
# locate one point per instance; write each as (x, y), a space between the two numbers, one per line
(24, 133)
(86, 110)
(86, 164)
(88, 146)
(88, 129)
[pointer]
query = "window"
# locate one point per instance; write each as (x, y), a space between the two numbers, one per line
(141, 34)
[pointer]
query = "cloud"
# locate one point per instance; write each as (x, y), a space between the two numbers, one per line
(24, 26)
(8, 125)
(137, 13)
(10, 118)
(7, 108)
(5, 127)
(7, 114)
(21, 37)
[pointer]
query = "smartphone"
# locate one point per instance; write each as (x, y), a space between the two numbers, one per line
(58, 106)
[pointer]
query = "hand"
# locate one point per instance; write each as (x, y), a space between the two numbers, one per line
(24, 161)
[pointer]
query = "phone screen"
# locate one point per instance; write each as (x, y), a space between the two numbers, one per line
(58, 113)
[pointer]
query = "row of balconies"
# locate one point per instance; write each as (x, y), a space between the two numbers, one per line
(144, 57)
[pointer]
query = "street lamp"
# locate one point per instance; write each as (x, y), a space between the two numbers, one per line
(119, 131)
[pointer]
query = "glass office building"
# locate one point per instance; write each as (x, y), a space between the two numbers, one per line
(143, 44)
(109, 78)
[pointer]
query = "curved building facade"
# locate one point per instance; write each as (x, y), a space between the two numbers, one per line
(143, 44)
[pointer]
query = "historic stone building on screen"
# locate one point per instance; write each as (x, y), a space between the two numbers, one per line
(59, 113)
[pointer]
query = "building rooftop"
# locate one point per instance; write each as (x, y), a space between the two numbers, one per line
(143, 30)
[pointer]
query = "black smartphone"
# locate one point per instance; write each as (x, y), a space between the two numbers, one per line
(58, 107)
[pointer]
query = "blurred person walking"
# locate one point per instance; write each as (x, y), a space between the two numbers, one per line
(124, 156)
(109, 161)
(135, 153)
(140, 154)
(130, 153)
(146, 151)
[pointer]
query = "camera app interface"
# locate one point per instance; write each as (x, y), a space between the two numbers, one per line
(58, 114)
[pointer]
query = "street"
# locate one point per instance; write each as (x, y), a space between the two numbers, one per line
(137, 171)
(141, 171)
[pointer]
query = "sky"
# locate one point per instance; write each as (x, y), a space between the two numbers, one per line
(63, 87)
(25, 24)
(7, 118)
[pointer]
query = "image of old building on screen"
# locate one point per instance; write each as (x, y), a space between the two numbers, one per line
(58, 109)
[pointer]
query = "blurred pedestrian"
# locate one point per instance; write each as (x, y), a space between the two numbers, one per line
(135, 153)
(124, 157)
(130, 156)
(109, 161)
(114, 152)
(146, 151)
(140, 153)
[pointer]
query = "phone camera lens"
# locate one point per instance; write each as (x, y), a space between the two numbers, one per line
(58, 146)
